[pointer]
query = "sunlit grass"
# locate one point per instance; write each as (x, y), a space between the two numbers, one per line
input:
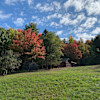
(81, 83)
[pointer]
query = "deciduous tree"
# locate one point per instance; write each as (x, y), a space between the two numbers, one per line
(6, 38)
(71, 50)
(9, 61)
(27, 42)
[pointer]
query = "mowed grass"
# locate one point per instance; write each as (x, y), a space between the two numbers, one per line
(80, 83)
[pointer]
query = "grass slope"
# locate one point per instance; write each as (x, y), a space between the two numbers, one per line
(81, 83)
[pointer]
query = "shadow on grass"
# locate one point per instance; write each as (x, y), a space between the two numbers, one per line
(96, 68)
(22, 71)
(26, 71)
(19, 71)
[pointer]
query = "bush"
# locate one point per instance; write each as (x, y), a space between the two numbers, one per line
(30, 66)
(9, 61)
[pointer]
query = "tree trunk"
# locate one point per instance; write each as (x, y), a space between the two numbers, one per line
(4, 72)
(47, 66)
(50, 66)
(42, 66)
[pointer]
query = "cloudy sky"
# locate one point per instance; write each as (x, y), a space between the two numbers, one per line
(79, 18)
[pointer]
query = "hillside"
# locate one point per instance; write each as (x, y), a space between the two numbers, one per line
(80, 83)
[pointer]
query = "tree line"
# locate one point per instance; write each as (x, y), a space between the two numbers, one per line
(29, 50)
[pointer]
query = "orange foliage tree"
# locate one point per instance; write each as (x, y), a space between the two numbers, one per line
(71, 50)
(29, 43)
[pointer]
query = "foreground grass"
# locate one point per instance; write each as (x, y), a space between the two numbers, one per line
(81, 83)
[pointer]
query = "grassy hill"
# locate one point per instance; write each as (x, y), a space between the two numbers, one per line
(80, 83)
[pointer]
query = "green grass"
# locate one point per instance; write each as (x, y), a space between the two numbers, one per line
(81, 83)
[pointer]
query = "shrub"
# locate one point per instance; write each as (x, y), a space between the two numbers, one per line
(9, 61)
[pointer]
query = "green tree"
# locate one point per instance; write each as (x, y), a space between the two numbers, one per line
(96, 42)
(6, 38)
(87, 51)
(9, 61)
(33, 27)
(64, 40)
(29, 45)
(53, 46)
(44, 32)
(71, 39)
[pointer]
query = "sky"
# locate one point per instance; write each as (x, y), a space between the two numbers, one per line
(79, 18)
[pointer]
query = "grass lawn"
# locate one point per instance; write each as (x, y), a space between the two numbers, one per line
(78, 83)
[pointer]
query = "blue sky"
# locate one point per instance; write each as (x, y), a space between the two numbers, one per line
(79, 18)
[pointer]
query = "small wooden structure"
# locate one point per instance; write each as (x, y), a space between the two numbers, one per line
(65, 63)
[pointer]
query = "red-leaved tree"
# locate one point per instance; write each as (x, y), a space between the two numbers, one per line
(71, 51)
(29, 43)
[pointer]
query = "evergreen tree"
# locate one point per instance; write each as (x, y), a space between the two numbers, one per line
(33, 27)
(64, 40)
(53, 46)
(96, 43)
(45, 32)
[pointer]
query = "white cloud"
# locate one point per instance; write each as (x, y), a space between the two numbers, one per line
(96, 31)
(13, 2)
(80, 17)
(57, 5)
(84, 36)
(19, 22)
(84, 27)
(37, 20)
(55, 15)
(38, 5)
(93, 7)
(59, 32)
(48, 6)
(30, 2)
(22, 13)
(78, 4)
(4, 16)
(66, 20)
(54, 24)
(78, 30)
(89, 22)
(10, 2)
(40, 21)
(34, 17)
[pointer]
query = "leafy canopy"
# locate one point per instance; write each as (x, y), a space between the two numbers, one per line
(71, 50)
(53, 47)
(29, 43)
